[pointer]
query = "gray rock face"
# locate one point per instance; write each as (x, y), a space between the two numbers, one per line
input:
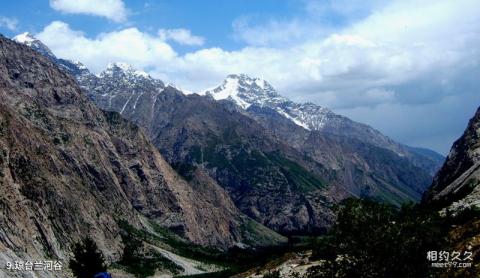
(457, 183)
(360, 168)
(68, 169)
(193, 132)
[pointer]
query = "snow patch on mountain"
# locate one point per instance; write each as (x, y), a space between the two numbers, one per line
(79, 65)
(125, 69)
(297, 122)
(34, 43)
(25, 38)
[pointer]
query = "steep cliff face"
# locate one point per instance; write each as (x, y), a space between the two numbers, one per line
(360, 168)
(267, 179)
(457, 183)
(68, 170)
(455, 191)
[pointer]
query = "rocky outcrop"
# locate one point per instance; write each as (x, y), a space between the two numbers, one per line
(455, 191)
(457, 183)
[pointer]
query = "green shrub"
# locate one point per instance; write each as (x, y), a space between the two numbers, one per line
(87, 260)
(378, 240)
(143, 263)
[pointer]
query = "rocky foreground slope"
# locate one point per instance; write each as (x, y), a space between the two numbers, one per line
(456, 192)
(456, 185)
(68, 170)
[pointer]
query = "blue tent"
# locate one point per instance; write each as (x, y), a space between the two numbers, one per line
(102, 275)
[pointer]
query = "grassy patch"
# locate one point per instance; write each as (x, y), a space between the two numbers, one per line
(234, 261)
(297, 175)
(143, 262)
(254, 167)
(170, 241)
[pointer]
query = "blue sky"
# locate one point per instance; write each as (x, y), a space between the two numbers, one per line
(212, 19)
(408, 68)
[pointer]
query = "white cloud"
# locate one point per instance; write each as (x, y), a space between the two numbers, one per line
(112, 9)
(181, 36)
(127, 45)
(402, 55)
(9, 23)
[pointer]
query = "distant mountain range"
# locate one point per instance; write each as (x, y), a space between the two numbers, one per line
(283, 164)
(249, 92)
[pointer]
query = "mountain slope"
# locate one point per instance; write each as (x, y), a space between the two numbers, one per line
(368, 163)
(455, 191)
(457, 183)
(68, 170)
(246, 92)
(362, 169)
(197, 134)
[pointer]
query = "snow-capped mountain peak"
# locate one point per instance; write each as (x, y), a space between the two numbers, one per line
(122, 80)
(256, 85)
(246, 91)
(24, 38)
(254, 95)
(125, 69)
(73, 67)
(243, 90)
(31, 41)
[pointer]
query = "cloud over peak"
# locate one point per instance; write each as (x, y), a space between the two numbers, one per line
(130, 45)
